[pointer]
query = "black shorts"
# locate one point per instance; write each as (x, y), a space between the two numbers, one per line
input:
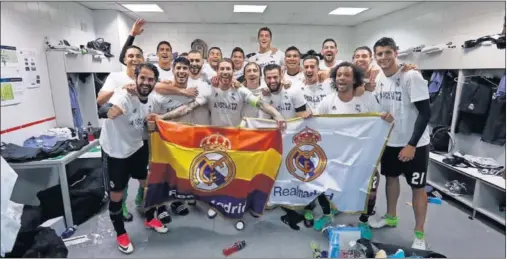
(415, 171)
(119, 170)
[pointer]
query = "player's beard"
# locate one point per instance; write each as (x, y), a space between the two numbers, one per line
(144, 89)
(329, 57)
(195, 69)
(226, 78)
(275, 88)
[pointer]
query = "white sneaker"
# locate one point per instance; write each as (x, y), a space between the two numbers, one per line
(419, 244)
(382, 222)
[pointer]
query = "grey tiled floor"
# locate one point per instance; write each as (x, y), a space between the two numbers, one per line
(448, 231)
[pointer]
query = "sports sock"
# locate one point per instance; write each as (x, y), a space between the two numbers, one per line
(324, 204)
(363, 218)
(419, 234)
(150, 214)
(161, 209)
(115, 213)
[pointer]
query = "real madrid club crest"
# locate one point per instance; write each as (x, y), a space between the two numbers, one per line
(306, 161)
(213, 169)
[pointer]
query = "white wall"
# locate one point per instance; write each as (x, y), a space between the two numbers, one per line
(114, 27)
(24, 25)
(228, 36)
(447, 21)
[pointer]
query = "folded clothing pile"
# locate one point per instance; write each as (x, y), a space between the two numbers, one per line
(52, 143)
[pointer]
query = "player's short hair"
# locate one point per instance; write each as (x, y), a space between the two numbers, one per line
(270, 67)
(329, 40)
(385, 42)
(362, 48)
(181, 60)
(164, 43)
(238, 49)
(149, 66)
(264, 29)
(293, 48)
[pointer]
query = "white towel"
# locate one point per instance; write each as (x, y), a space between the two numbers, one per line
(432, 49)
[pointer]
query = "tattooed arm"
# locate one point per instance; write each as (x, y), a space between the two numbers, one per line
(180, 111)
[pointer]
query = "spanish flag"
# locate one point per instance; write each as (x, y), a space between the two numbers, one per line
(231, 169)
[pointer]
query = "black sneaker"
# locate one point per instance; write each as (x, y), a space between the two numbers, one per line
(163, 215)
(179, 208)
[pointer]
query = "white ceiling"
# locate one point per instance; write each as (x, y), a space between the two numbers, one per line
(286, 12)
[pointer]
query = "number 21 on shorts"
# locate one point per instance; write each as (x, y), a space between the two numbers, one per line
(417, 178)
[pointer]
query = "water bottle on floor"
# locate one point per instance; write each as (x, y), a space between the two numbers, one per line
(334, 244)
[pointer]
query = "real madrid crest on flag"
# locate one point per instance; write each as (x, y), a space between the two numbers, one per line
(213, 169)
(306, 161)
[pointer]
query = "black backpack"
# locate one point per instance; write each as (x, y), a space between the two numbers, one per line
(87, 195)
(440, 139)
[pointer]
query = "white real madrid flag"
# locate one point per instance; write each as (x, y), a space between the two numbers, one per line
(334, 154)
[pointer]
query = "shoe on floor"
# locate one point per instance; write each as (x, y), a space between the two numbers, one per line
(163, 215)
(309, 221)
(179, 208)
(156, 225)
(385, 221)
(322, 222)
(124, 244)
(419, 243)
(365, 230)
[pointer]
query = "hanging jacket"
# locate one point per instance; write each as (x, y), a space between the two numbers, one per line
(494, 131)
(474, 106)
(442, 106)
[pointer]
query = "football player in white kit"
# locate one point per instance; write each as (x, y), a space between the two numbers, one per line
(238, 58)
(329, 51)
(125, 154)
(253, 78)
(290, 102)
(293, 71)
(345, 77)
(266, 55)
(226, 103)
(405, 95)
(313, 90)
(181, 68)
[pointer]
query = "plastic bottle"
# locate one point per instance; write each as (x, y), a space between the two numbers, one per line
(234, 248)
(334, 244)
(89, 130)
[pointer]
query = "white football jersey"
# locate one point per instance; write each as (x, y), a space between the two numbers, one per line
(359, 104)
(315, 93)
(226, 106)
(263, 59)
(116, 80)
(251, 111)
(397, 95)
(164, 74)
(123, 136)
(286, 101)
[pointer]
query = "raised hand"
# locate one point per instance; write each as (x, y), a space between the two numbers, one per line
(137, 28)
